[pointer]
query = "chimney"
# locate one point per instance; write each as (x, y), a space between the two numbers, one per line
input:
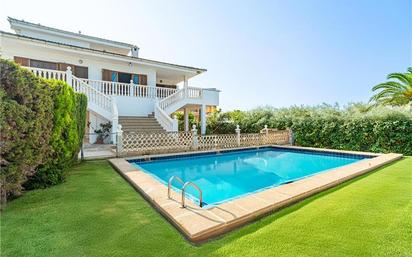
(135, 51)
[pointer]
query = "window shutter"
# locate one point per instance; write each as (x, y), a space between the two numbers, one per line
(136, 79)
(63, 66)
(81, 72)
(22, 61)
(142, 79)
(113, 76)
(106, 75)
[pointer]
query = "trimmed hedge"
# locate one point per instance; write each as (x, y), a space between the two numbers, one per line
(373, 134)
(42, 127)
(357, 127)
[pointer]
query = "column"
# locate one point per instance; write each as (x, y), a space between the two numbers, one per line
(237, 131)
(185, 85)
(131, 92)
(69, 77)
(185, 82)
(203, 119)
(186, 119)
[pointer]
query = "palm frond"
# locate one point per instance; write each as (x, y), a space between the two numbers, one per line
(389, 84)
(406, 78)
(394, 92)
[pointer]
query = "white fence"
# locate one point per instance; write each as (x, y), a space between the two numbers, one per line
(129, 89)
(110, 88)
(169, 142)
(48, 74)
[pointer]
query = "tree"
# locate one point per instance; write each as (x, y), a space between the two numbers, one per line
(396, 92)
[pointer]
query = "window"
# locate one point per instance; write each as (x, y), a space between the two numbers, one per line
(124, 77)
(43, 64)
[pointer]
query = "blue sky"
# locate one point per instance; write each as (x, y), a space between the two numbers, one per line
(277, 53)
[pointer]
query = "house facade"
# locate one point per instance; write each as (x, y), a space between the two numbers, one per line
(139, 94)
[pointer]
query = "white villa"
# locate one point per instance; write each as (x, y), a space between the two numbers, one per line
(140, 94)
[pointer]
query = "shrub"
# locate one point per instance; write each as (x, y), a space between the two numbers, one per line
(26, 126)
(80, 117)
(67, 135)
(103, 132)
(357, 127)
(181, 120)
(42, 128)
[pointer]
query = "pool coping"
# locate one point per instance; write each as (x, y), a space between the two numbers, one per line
(201, 224)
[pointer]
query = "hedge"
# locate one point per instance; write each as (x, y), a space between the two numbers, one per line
(357, 127)
(67, 135)
(387, 134)
(26, 126)
(42, 126)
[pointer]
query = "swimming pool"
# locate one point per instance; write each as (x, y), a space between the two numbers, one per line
(228, 175)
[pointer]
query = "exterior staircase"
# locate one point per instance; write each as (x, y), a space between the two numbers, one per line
(102, 99)
(136, 124)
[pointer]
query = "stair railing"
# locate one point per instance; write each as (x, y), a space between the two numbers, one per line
(168, 123)
(96, 100)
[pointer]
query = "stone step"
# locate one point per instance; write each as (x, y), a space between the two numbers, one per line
(145, 130)
(139, 121)
(136, 117)
(140, 124)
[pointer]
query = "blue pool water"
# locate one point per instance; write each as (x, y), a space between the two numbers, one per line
(224, 176)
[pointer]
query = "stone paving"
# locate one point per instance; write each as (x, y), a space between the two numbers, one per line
(98, 151)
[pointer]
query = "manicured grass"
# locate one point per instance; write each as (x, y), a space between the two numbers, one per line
(96, 213)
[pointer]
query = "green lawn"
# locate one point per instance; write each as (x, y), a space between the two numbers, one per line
(96, 213)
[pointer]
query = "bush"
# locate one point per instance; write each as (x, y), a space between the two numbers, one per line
(42, 128)
(67, 135)
(80, 117)
(387, 134)
(357, 127)
(26, 126)
(181, 120)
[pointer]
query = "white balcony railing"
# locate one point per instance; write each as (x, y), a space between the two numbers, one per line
(48, 74)
(96, 100)
(123, 89)
(129, 89)
(99, 94)
(188, 92)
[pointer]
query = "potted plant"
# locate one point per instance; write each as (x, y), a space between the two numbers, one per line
(103, 132)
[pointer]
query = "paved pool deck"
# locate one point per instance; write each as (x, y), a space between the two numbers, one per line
(201, 224)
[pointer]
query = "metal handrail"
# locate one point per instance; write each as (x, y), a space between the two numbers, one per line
(169, 185)
(198, 189)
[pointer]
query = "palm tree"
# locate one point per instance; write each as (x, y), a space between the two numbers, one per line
(394, 93)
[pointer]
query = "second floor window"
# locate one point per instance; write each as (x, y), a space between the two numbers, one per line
(124, 77)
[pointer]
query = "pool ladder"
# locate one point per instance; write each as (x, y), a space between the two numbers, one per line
(185, 185)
